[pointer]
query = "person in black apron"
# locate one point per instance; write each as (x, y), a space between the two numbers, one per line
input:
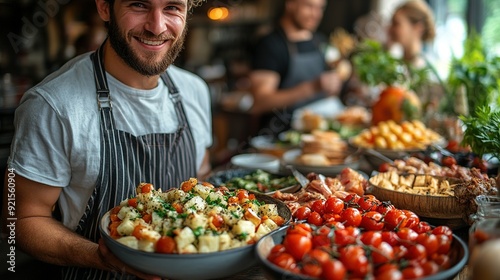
(289, 68)
(171, 159)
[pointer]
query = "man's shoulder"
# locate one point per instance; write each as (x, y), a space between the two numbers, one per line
(65, 87)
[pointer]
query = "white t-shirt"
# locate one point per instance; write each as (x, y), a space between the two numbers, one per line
(57, 137)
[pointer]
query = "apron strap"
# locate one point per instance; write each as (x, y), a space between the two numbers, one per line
(103, 98)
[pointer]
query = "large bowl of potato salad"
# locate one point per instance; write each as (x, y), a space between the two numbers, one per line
(196, 231)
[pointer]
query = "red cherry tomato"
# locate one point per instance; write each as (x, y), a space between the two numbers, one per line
(300, 228)
(354, 259)
(297, 245)
(352, 198)
(448, 161)
(346, 236)
(333, 269)
(166, 245)
(373, 238)
(411, 218)
(412, 272)
(407, 234)
(302, 213)
(417, 252)
(351, 217)
(315, 219)
(285, 260)
(390, 237)
(334, 205)
(132, 202)
(312, 269)
(422, 227)
(430, 268)
(368, 203)
(443, 230)
(383, 254)
(372, 221)
(429, 241)
(444, 243)
(318, 206)
(395, 218)
(384, 207)
(384, 167)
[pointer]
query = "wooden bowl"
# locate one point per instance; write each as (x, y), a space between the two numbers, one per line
(438, 207)
(437, 210)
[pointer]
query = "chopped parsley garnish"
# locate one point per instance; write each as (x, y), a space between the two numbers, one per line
(209, 201)
(234, 214)
(242, 236)
(198, 231)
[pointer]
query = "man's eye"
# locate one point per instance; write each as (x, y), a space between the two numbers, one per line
(172, 8)
(138, 5)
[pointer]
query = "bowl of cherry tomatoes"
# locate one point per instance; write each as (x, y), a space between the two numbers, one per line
(377, 242)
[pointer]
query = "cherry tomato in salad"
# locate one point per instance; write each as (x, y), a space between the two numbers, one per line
(166, 245)
(146, 188)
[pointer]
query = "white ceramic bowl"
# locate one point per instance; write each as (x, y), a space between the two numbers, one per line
(190, 266)
(257, 161)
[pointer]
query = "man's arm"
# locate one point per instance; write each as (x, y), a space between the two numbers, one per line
(45, 238)
(267, 96)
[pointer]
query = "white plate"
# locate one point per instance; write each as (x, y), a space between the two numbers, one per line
(332, 170)
(257, 161)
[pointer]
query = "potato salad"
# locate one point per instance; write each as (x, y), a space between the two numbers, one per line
(195, 218)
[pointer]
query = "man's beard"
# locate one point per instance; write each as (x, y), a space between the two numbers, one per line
(150, 66)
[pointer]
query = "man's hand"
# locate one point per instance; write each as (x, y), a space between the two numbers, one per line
(113, 264)
(330, 83)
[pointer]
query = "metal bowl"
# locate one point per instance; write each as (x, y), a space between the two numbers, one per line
(189, 266)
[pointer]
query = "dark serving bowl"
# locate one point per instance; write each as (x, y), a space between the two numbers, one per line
(224, 176)
(190, 266)
(459, 255)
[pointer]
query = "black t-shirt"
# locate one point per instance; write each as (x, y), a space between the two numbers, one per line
(271, 51)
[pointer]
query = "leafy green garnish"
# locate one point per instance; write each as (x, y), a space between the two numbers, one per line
(482, 132)
(242, 236)
(198, 231)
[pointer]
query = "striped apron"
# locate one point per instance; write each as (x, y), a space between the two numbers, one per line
(163, 159)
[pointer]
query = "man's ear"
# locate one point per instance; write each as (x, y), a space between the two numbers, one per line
(103, 9)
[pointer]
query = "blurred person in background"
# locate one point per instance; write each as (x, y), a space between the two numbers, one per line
(91, 132)
(289, 68)
(411, 27)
